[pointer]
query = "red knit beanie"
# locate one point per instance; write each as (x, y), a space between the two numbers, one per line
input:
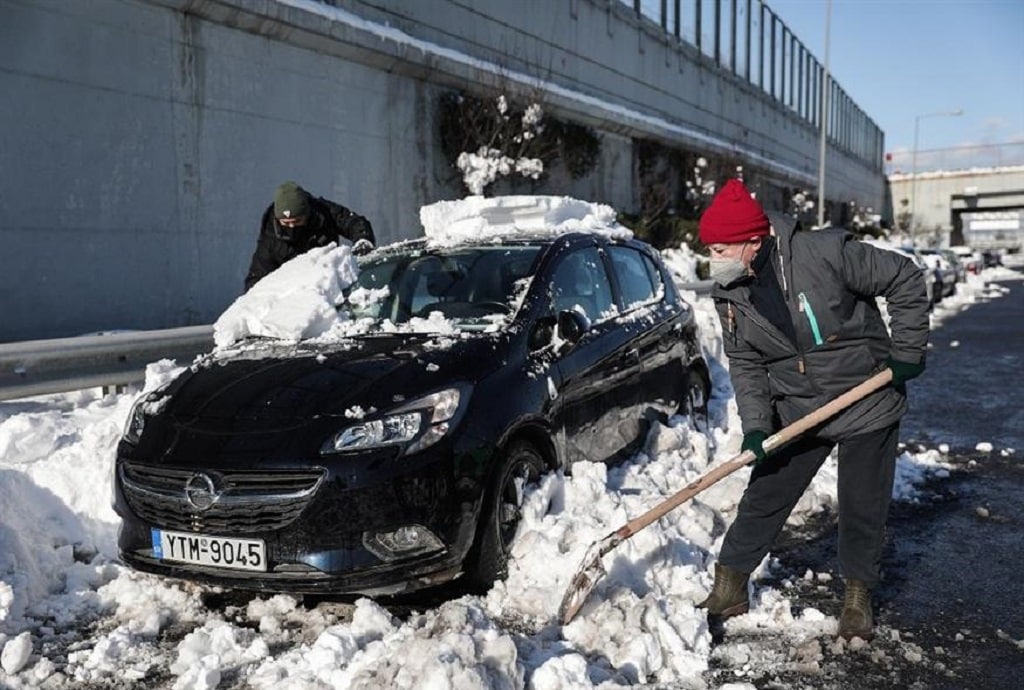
(733, 216)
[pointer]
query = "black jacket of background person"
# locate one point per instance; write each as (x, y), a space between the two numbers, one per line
(327, 221)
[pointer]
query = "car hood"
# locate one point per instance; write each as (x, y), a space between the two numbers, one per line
(274, 389)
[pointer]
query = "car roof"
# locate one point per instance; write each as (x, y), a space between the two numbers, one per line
(519, 238)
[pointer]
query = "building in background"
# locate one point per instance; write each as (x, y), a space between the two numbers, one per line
(979, 207)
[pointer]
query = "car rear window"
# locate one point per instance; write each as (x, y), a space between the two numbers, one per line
(639, 279)
(581, 282)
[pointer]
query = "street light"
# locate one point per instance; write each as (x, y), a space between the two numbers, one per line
(823, 134)
(913, 167)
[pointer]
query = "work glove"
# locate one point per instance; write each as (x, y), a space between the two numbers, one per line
(904, 371)
(754, 442)
(362, 247)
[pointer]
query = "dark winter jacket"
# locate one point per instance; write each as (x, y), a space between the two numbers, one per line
(828, 281)
(327, 222)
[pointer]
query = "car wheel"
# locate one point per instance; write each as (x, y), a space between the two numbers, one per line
(695, 404)
(521, 467)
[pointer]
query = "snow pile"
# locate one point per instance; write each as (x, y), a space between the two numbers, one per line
(640, 625)
(682, 262)
(55, 503)
(295, 302)
(477, 218)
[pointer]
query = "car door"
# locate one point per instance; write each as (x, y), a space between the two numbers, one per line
(596, 401)
(656, 333)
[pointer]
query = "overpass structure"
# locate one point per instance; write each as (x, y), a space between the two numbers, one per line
(147, 136)
(980, 207)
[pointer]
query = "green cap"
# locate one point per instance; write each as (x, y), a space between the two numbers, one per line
(291, 201)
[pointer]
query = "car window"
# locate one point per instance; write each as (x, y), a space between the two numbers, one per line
(636, 274)
(465, 285)
(580, 280)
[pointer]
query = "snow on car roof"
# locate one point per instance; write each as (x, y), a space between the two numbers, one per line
(477, 218)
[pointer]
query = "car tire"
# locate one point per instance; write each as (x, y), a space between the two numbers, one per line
(695, 400)
(521, 466)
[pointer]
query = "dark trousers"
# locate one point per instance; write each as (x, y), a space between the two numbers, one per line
(867, 465)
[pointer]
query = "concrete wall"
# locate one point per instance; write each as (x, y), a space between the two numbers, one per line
(141, 139)
(642, 82)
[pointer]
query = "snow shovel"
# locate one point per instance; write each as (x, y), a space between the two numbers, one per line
(592, 568)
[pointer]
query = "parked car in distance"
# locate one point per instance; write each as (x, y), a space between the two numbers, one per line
(930, 284)
(971, 260)
(958, 268)
(991, 258)
(945, 273)
(396, 457)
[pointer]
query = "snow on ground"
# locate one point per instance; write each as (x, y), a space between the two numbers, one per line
(71, 614)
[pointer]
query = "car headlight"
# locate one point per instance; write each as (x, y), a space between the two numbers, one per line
(136, 422)
(420, 423)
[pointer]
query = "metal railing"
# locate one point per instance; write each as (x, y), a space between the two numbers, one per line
(747, 38)
(41, 367)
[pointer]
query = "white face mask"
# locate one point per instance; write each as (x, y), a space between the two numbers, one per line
(725, 272)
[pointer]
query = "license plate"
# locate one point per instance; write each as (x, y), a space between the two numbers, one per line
(217, 552)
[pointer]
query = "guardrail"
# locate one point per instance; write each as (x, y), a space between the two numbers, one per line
(701, 287)
(41, 367)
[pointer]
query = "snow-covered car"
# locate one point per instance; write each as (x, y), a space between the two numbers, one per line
(959, 269)
(945, 273)
(382, 441)
(930, 275)
(969, 259)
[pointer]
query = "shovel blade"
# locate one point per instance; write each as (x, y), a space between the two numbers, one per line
(583, 582)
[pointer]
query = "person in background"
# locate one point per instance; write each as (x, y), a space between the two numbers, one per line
(296, 222)
(801, 326)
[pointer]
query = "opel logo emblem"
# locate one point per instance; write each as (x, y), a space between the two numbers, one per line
(200, 491)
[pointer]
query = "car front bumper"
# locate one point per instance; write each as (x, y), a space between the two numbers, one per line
(322, 543)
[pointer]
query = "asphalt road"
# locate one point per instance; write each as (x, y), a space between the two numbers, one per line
(973, 388)
(949, 613)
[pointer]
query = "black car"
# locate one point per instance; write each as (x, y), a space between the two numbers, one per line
(396, 458)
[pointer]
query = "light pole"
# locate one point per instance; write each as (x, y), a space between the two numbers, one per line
(913, 167)
(824, 122)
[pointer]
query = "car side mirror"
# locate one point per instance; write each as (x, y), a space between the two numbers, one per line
(572, 325)
(542, 333)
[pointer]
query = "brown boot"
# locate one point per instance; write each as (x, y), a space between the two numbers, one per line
(856, 619)
(728, 596)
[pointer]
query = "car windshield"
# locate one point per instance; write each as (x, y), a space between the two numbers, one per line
(427, 290)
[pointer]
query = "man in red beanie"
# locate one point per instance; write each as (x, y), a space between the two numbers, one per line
(800, 326)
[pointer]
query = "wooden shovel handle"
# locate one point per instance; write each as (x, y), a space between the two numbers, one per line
(773, 442)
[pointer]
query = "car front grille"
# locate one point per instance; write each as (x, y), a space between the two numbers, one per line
(240, 502)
